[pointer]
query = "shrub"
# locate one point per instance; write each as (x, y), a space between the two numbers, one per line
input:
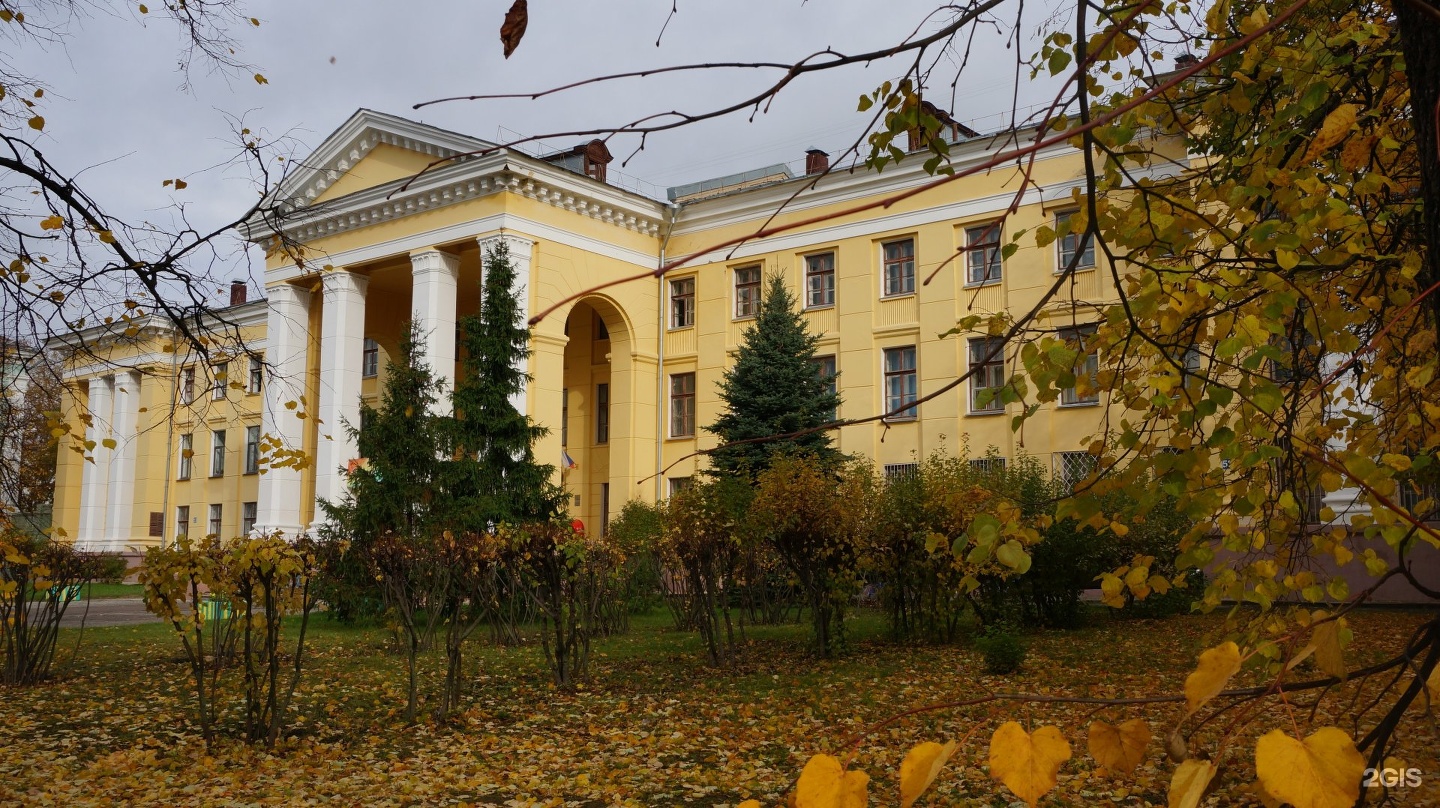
(110, 568)
(39, 579)
(1003, 650)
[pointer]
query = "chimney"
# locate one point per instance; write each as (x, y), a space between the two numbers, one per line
(237, 292)
(1185, 60)
(816, 161)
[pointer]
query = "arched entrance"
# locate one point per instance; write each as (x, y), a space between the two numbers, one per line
(599, 433)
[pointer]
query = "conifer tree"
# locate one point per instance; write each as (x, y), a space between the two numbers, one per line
(503, 484)
(774, 388)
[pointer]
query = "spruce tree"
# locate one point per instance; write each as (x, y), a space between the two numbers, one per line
(494, 478)
(774, 388)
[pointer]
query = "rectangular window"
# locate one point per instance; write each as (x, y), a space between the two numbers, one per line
(252, 450)
(1072, 467)
(602, 413)
(1069, 243)
(819, 280)
(899, 269)
(682, 302)
(987, 369)
(678, 484)
(370, 359)
(682, 405)
(222, 374)
(157, 524)
(257, 375)
(989, 464)
(1087, 366)
(604, 509)
(565, 416)
(825, 369)
(901, 382)
(187, 385)
(217, 453)
(187, 455)
(1191, 360)
(248, 511)
(900, 471)
(982, 254)
(747, 292)
(217, 513)
(182, 520)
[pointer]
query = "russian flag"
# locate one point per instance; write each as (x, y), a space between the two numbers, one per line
(566, 461)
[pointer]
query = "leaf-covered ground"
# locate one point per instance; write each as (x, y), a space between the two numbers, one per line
(653, 728)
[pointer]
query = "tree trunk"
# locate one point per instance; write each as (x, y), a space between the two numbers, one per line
(1419, 24)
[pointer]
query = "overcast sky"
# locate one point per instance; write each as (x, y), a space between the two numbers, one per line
(116, 105)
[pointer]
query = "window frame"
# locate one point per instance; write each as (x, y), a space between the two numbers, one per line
(369, 359)
(826, 272)
(1090, 360)
(1061, 261)
(988, 372)
(682, 303)
(752, 287)
(220, 389)
(900, 262)
(249, 515)
(602, 413)
(830, 363)
(187, 385)
(255, 383)
(182, 520)
(216, 521)
(682, 406)
(187, 456)
(252, 450)
(217, 453)
(894, 401)
(990, 252)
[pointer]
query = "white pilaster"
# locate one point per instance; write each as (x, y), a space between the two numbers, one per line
(521, 251)
(287, 345)
(125, 413)
(434, 276)
(95, 473)
(342, 346)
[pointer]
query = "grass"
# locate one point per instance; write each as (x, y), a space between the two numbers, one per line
(105, 591)
(652, 727)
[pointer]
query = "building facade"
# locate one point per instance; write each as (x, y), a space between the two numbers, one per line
(389, 220)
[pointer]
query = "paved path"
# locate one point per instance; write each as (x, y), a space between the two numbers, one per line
(107, 612)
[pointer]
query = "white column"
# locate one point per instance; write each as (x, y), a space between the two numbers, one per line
(95, 472)
(521, 250)
(287, 344)
(434, 276)
(342, 346)
(125, 413)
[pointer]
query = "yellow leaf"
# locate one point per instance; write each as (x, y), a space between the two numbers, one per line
(920, 768)
(1188, 784)
(1323, 771)
(1216, 667)
(37, 123)
(1027, 764)
(1336, 126)
(259, 79)
(824, 783)
(1328, 654)
(52, 223)
(1433, 684)
(749, 804)
(106, 236)
(1119, 749)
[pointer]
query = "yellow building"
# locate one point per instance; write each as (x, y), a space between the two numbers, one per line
(625, 378)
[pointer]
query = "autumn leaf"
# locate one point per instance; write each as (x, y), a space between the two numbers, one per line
(824, 783)
(749, 804)
(1328, 653)
(52, 223)
(1216, 667)
(1188, 784)
(1323, 771)
(1433, 684)
(1120, 749)
(920, 768)
(1027, 764)
(1336, 126)
(513, 29)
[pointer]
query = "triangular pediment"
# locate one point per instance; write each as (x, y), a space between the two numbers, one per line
(370, 149)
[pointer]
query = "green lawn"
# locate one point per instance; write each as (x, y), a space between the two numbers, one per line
(100, 591)
(653, 726)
